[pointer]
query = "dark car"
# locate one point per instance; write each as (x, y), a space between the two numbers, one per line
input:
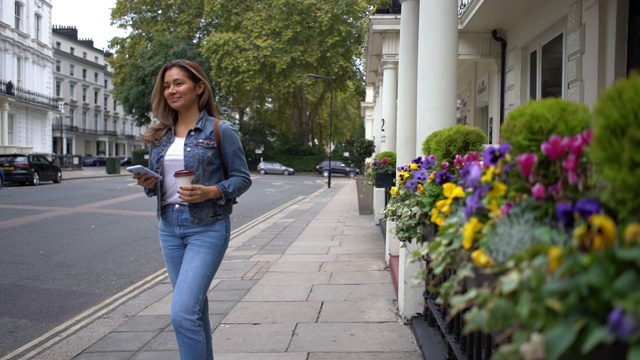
(337, 167)
(272, 167)
(29, 169)
(126, 161)
(94, 161)
(1, 178)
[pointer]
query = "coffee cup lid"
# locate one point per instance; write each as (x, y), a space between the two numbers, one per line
(185, 172)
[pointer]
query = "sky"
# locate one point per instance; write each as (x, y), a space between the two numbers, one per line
(90, 17)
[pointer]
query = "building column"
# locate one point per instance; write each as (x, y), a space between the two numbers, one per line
(406, 145)
(437, 69)
(407, 82)
(390, 47)
(4, 107)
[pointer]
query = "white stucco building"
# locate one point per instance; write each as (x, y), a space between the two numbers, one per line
(92, 121)
(441, 63)
(27, 104)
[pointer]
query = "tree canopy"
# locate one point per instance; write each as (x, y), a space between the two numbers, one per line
(259, 54)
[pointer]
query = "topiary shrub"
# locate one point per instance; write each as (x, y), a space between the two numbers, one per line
(615, 146)
(445, 144)
(387, 154)
(531, 124)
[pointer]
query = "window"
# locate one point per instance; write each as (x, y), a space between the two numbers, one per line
(96, 59)
(96, 77)
(546, 71)
(84, 94)
(10, 129)
(38, 26)
(95, 96)
(106, 98)
(105, 123)
(19, 8)
(19, 71)
(84, 119)
(58, 44)
(58, 85)
(72, 70)
(115, 104)
(106, 83)
(84, 74)
(72, 91)
(95, 121)
(58, 65)
(84, 54)
(124, 127)
(72, 116)
(72, 50)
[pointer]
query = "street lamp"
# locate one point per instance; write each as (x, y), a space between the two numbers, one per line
(330, 78)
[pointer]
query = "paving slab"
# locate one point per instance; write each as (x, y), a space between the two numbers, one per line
(351, 338)
(284, 292)
(361, 277)
(262, 356)
(412, 355)
(122, 341)
(358, 311)
(295, 278)
(252, 338)
(296, 266)
(273, 312)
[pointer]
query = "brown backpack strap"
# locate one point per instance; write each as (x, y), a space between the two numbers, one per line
(216, 133)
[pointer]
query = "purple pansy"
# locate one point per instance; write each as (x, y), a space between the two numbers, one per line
(493, 154)
(587, 207)
(443, 177)
(564, 213)
(622, 324)
(471, 175)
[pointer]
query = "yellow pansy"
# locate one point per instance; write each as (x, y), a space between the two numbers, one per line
(554, 254)
(469, 231)
(488, 175)
(431, 178)
(393, 191)
(499, 189)
(600, 231)
(452, 191)
(435, 217)
(421, 189)
(632, 234)
(481, 259)
(413, 167)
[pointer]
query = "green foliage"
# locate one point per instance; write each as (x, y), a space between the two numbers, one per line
(262, 51)
(137, 157)
(445, 144)
(616, 145)
(531, 124)
(134, 80)
(387, 154)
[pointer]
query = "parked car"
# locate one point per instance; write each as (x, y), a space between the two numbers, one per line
(337, 167)
(126, 161)
(94, 161)
(1, 178)
(272, 167)
(29, 169)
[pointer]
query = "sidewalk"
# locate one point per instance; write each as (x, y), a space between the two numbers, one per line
(309, 283)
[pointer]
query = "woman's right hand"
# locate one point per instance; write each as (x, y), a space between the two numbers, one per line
(146, 181)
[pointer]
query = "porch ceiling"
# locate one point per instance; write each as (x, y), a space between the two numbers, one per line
(378, 25)
(486, 15)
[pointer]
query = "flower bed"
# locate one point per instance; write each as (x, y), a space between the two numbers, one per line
(534, 247)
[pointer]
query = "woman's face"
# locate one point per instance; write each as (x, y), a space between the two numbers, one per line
(180, 91)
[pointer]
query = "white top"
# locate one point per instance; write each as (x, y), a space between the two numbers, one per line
(173, 161)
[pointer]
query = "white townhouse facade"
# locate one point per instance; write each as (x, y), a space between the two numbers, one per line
(91, 121)
(440, 63)
(27, 104)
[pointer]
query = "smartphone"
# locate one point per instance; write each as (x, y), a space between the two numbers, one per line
(139, 169)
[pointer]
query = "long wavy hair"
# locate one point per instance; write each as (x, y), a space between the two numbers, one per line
(167, 116)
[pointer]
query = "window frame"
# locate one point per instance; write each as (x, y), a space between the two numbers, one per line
(535, 67)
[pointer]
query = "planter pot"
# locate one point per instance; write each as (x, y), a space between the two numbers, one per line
(384, 180)
(429, 231)
(365, 196)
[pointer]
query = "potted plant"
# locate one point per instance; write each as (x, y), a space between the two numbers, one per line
(383, 7)
(382, 171)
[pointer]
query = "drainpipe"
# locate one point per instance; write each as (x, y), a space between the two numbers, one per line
(503, 60)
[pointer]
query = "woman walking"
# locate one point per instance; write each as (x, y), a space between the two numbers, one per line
(194, 219)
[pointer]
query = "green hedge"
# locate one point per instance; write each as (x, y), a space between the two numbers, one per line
(445, 144)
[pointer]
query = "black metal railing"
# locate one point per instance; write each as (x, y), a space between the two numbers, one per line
(474, 346)
(27, 96)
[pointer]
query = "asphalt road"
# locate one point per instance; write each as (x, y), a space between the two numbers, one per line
(67, 247)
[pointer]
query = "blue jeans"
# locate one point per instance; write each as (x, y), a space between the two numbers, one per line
(192, 255)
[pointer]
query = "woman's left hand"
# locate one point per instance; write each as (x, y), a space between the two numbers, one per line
(196, 193)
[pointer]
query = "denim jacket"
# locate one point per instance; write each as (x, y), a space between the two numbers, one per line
(201, 155)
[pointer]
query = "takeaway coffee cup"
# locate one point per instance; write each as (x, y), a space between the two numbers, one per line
(184, 177)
